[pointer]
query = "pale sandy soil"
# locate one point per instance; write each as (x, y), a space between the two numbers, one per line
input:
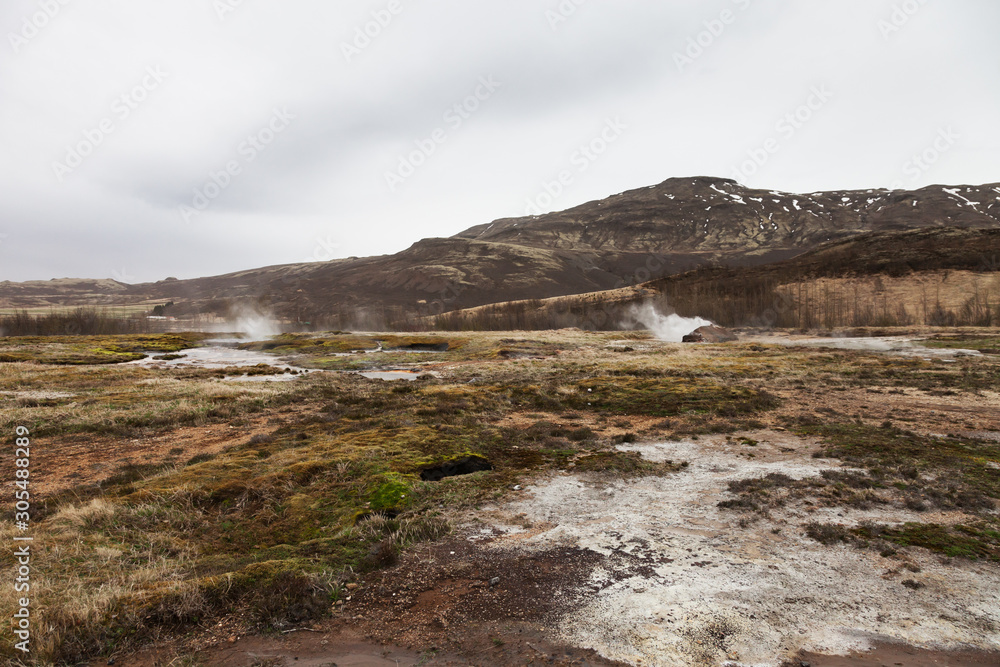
(682, 583)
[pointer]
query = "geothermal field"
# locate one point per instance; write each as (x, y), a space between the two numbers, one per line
(509, 498)
(558, 333)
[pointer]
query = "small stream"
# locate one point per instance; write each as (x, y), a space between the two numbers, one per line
(905, 346)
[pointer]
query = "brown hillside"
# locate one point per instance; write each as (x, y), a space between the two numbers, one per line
(625, 239)
(927, 276)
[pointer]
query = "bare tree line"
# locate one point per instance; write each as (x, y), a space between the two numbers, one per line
(739, 300)
(729, 297)
(79, 322)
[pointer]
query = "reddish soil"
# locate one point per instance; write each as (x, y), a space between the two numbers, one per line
(435, 607)
(434, 595)
(63, 462)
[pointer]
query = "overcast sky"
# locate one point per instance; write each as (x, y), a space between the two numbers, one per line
(146, 139)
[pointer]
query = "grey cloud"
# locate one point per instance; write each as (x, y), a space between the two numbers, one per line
(324, 175)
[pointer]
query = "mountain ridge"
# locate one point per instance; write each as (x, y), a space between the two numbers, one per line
(626, 238)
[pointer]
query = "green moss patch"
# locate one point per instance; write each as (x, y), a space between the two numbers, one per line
(391, 493)
(977, 541)
(93, 350)
(948, 471)
(985, 344)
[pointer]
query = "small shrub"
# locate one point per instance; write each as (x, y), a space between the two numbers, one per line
(827, 534)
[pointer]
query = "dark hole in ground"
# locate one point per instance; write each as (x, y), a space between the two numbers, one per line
(463, 466)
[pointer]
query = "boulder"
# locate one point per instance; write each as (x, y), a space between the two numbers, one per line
(710, 334)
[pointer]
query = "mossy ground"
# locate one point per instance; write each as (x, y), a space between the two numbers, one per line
(274, 526)
(898, 468)
(985, 344)
(124, 401)
(89, 350)
(981, 540)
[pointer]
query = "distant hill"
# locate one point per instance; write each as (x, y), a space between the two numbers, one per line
(678, 225)
(942, 276)
(720, 218)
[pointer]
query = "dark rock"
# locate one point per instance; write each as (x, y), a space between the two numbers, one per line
(710, 334)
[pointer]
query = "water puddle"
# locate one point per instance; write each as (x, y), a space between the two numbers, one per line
(260, 378)
(898, 345)
(388, 375)
(225, 353)
(219, 353)
(419, 349)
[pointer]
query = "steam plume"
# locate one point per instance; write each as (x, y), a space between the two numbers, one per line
(254, 324)
(670, 328)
